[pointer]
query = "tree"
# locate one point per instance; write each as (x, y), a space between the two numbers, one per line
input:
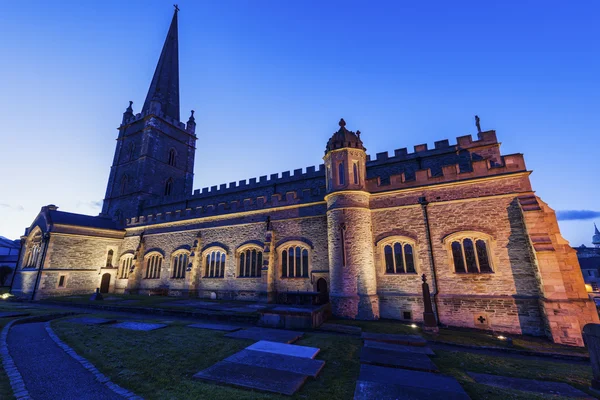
(5, 271)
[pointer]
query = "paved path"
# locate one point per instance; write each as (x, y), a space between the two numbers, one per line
(50, 373)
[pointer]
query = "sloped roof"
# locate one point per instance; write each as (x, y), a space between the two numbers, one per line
(11, 244)
(67, 218)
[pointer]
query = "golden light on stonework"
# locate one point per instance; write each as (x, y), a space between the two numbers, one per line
(588, 288)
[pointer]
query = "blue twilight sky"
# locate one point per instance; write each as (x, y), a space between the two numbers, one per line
(269, 81)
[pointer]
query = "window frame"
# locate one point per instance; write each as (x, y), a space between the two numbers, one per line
(174, 255)
(287, 245)
(238, 259)
(124, 266)
(403, 241)
(203, 265)
(474, 236)
(146, 265)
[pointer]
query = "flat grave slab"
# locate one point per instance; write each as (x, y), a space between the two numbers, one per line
(216, 327)
(139, 326)
(388, 358)
(91, 321)
(380, 391)
(340, 328)
(253, 377)
(281, 362)
(284, 349)
(8, 314)
(529, 385)
(272, 335)
(409, 340)
(399, 347)
(408, 378)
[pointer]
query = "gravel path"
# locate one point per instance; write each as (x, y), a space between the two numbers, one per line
(50, 373)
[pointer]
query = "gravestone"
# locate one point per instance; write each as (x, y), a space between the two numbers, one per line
(139, 326)
(282, 362)
(409, 340)
(272, 335)
(395, 359)
(216, 327)
(285, 349)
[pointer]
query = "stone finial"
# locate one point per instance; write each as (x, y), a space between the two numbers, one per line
(130, 109)
(192, 119)
(477, 124)
(342, 122)
(358, 134)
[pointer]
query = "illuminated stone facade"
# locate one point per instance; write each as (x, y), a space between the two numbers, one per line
(362, 229)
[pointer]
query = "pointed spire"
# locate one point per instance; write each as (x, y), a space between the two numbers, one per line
(596, 232)
(164, 88)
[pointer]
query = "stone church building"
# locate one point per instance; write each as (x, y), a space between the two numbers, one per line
(361, 229)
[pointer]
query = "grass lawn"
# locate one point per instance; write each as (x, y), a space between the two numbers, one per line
(160, 364)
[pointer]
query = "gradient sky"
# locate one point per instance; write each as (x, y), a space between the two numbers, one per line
(269, 81)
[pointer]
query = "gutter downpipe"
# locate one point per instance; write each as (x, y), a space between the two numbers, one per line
(423, 202)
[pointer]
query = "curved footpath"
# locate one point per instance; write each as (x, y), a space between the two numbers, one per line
(50, 373)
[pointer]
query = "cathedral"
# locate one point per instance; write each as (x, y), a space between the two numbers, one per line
(361, 230)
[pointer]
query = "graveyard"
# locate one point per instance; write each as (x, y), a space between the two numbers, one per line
(154, 356)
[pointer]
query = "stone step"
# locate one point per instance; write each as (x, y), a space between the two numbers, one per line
(394, 359)
(253, 377)
(399, 347)
(339, 328)
(281, 362)
(408, 340)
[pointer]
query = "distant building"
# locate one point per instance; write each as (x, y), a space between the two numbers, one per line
(360, 229)
(9, 255)
(589, 261)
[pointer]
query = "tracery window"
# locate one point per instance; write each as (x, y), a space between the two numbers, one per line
(126, 262)
(294, 261)
(153, 266)
(470, 253)
(250, 262)
(180, 262)
(215, 263)
(172, 157)
(34, 248)
(399, 257)
(109, 258)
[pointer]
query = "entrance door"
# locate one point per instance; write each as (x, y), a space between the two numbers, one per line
(104, 285)
(323, 292)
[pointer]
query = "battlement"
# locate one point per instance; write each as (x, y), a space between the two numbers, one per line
(440, 147)
(450, 173)
(220, 207)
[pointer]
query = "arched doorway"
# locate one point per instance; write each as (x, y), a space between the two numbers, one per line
(323, 291)
(105, 284)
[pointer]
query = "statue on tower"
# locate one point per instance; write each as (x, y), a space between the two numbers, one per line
(477, 124)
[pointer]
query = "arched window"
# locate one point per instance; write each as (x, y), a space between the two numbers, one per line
(355, 171)
(34, 248)
(124, 180)
(179, 262)
(168, 187)
(172, 157)
(153, 266)
(341, 174)
(131, 151)
(215, 263)
(294, 261)
(250, 262)
(125, 266)
(109, 258)
(470, 253)
(398, 255)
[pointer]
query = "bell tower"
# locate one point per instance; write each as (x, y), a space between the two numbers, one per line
(353, 290)
(154, 156)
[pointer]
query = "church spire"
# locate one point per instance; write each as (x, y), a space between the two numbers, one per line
(164, 89)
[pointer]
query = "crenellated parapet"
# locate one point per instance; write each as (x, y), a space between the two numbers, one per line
(450, 173)
(440, 147)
